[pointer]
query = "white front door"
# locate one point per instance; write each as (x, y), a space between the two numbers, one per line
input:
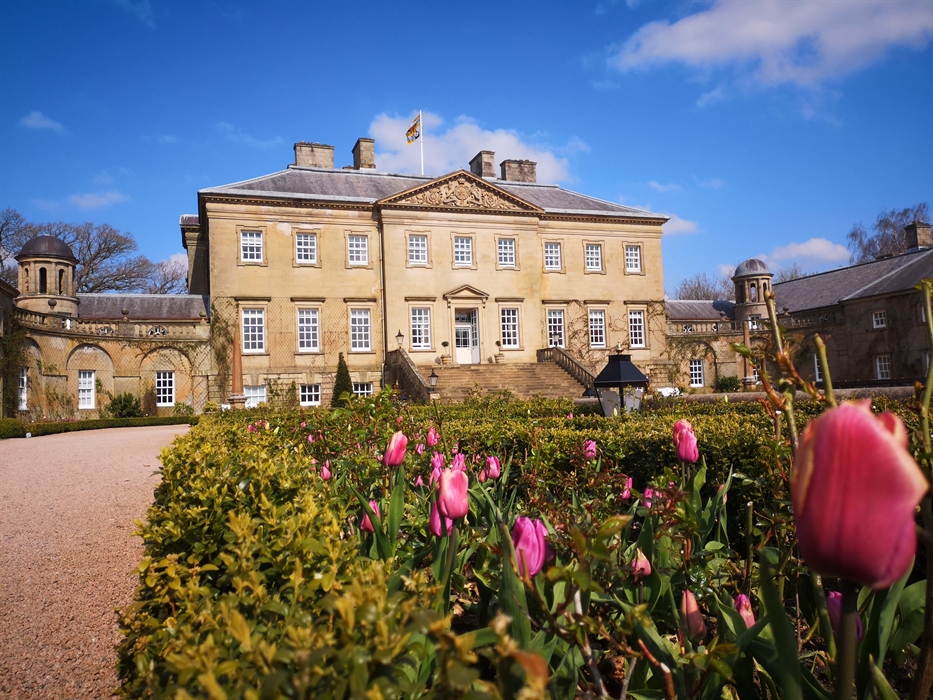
(466, 337)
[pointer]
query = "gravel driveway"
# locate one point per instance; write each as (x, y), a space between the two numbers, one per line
(67, 554)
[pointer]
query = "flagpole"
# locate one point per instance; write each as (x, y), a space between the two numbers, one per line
(421, 123)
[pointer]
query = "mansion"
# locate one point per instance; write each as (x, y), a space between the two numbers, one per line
(476, 271)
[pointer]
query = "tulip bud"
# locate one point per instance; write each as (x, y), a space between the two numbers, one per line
(452, 498)
(432, 437)
(855, 490)
(395, 452)
(641, 567)
(419, 448)
(325, 470)
(744, 607)
(366, 525)
(419, 482)
(834, 608)
(589, 449)
(482, 476)
(694, 626)
(685, 442)
(438, 525)
(493, 470)
(627, 490)
(531, 546)
(647, 497)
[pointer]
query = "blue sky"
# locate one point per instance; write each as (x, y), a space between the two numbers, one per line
(764, 129)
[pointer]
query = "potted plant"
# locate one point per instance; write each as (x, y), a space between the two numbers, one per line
(445, 356)
(499, 355)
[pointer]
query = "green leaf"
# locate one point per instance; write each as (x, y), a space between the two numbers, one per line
(512, 594)
(785, 643)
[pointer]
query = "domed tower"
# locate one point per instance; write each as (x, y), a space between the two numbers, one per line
(752, 281)
(47, 277)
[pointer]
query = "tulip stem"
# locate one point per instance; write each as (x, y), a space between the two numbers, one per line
(449, 566)
(845, 658)
(824, 370)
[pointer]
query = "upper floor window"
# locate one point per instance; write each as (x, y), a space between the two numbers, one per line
(360, 340)
(632, 258)
(879, 319)
(463, 250)
(597, 328)
(358, 250)
(165, 388)
(594, 257)
(254, 330)
(506, 248)
(251, 246)
(308, 330)
(636, 329)
(306, 248)
(696, 373)
(417, 249)
(509, 328)
(421, 329)
(552, 256)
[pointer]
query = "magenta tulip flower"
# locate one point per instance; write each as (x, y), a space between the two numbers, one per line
(694, 626)
(589, 449)
(458, 463)
(325, 470)
(395, 452)
(439, 525)
(627, 489)
(419, 482)
(531, 546)
(685, 442)
(834, 608)
(493, 470)
(855, 490)
(433, 437)
(648, 497)
(641, 567)
(366, 525)
(419, 448)
(452, 493)
(744, 607)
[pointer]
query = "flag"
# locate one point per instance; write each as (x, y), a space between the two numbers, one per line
(414, 131)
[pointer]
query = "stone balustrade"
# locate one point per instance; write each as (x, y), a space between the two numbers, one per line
(139, 330)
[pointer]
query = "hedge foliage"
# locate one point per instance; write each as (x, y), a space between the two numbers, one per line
(12, 427)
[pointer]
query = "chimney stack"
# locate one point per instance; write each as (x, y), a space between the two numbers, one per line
(484, 164)
(519, 170)
(364, 155)
(918, 235)
(314, 155)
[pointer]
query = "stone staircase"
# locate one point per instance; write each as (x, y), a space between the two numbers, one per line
(523, 380)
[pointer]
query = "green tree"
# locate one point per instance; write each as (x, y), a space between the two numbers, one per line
(342, 383)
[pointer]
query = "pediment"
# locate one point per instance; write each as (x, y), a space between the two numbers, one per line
(466, 291)
(460, 190)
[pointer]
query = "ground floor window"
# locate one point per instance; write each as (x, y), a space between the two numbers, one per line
(509, 330)
(696, 372)
(309, 394)
(883, 367)
(165, 388)
(555, 328)
(86, 388)
(363, 388)
(421, 329)
(817, 373)
(255, 395)
(23, 402)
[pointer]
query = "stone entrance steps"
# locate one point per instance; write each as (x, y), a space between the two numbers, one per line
(523, 380)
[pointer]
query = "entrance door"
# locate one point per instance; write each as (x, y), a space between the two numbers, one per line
(466, 336)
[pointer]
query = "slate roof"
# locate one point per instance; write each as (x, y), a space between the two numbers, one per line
(369, 186)
(690, 310)
(891, 275)
(148, 307)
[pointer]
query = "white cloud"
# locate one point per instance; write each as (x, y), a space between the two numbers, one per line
(711, 97)
(232, 133)
(103, 178)
(676, 225)
(726, 270)
(95, 200)
(655, 185)
(37, 120)
(167, 139)
(141, 9)
(815, 249)
(782, 42)
(47, 204)
(449, 149)
(714, 183)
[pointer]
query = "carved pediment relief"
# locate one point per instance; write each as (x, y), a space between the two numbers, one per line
(466, 291)
(460, 190)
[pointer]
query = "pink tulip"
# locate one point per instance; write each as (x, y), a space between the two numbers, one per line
(433, 437)
(569, 416)
(855, 490)
(458, 463)
(685, 442)
(251, 428)
(419, 448)
(419, 482)
(455, 449)
(325, 470)
(482, 476)
(366, 524)
(647, 497)
(395, 452)
(531, 546)
(589, 449)
(437, 466)
(435, 525)
(627, 489)
(452, 497)
(641, 567)
(493, 470)
(834, 608)
(693, 619)
(310, 438)
(744, 607)
(303, 424)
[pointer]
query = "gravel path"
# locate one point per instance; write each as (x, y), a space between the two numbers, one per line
(67, 554)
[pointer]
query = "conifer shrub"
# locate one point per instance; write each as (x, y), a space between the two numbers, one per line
(342, 383)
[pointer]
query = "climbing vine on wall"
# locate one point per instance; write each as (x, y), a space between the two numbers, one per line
(222, 345)
(12, 358)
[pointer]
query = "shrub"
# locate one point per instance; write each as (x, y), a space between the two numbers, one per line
(342, 383)
(728, 384)
(11, 428)
(123, 406)
(184, 409)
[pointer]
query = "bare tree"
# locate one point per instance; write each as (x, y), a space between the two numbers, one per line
(701, 287)
(107, 258)
(168, 277)
(786, 274)
(888, 237)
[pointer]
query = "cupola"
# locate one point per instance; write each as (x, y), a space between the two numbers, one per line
(752, 281)
(47, 277)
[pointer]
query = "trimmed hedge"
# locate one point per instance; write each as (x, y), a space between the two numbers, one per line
(12, 428)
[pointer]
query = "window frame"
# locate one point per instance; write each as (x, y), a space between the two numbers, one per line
(817, 372)
(471, 244)
(358, 236)
(311, 390)
(242, 232)
(313, 235)
(356, 310)
(517, 330)
(556, 313)
(315, 329)
(253, 312)
(599, 247)
(879, 320)
(697, 374)
(252, 395)
(360, 390)
(168, 381)
(421, 235)
(553, 245)
(506, 266)
(22, 390)
(601, 329)
(87, 392)
(420, 329)
(638, 314)
(883, 366)
(639, 253)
